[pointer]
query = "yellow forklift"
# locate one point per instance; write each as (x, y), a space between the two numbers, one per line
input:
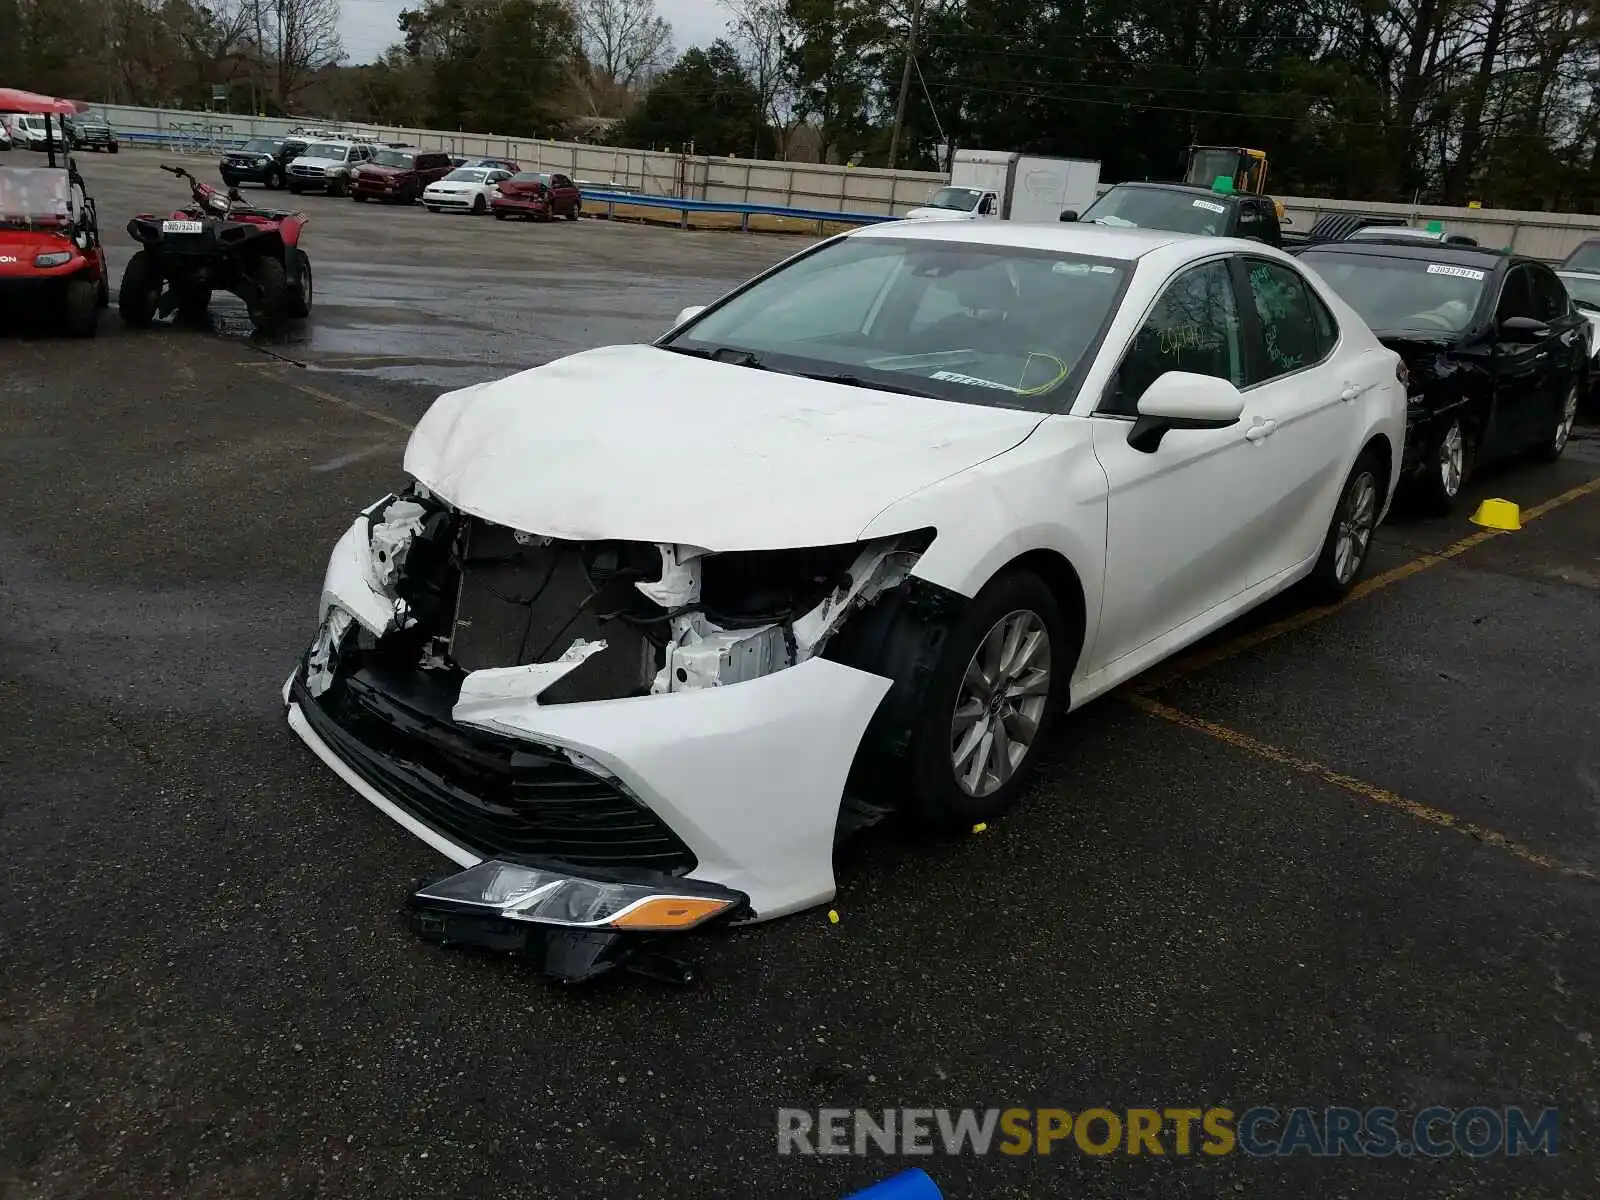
(1245, 169)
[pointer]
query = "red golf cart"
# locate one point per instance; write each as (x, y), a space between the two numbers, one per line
(50, 255)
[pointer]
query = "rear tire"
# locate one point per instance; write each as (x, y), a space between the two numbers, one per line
(140, 291)
(82, 307)
(1349, 538)
(1556, 444)
(112, 148)
(300, 297)
(500, 216)
(271, 308)
(432, 208)
(1001, 679)
(295, 189)
(358, 197)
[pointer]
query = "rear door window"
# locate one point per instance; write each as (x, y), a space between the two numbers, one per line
(1290, 336)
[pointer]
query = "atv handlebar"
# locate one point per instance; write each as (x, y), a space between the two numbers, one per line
(180, 172)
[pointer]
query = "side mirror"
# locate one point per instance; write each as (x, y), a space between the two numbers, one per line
(1523, 330)
(688, 314)
(1069, 214)
(1183, 400)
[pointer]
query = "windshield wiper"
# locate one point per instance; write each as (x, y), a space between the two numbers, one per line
(727, 354)
(847, 380)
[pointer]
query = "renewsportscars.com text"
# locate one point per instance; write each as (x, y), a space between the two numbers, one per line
(1435, 1132)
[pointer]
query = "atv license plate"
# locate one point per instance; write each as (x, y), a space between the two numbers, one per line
(183, 227)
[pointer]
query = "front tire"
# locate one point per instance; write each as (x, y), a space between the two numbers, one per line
(271, 307)
(1000, 680)
(1556, 445)
(274, 180)
(572, 215)
(300, 297)
(1349, 537)
(1447, 469)
(82, 308)
(433, 208)
(479, 205)
(140, 291)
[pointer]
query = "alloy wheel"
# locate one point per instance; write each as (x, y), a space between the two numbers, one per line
(1569, 415)
(1357, 517)
(1452, 460)
(1001, 703)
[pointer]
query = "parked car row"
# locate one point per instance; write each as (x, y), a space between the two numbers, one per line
(399, 174)
(88, 130)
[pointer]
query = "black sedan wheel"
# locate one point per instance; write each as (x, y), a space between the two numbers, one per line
(1445, 471)
(1552, 449)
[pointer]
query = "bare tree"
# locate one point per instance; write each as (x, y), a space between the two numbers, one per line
(301, 38)
(759, 31)
(625, 41)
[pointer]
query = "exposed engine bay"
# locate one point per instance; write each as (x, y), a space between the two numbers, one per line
(630, 618)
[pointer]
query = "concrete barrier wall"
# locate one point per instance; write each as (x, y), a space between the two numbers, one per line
(801, 185)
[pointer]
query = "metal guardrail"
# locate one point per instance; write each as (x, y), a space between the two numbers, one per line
(684, 206)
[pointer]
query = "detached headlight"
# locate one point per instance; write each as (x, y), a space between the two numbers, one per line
(55, 258)
(513, 892)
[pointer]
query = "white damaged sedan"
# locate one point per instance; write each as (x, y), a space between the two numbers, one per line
(652, 626)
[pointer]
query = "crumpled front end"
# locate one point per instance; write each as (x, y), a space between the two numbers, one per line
(653, 718)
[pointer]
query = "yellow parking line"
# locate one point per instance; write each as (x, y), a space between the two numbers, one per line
(1160, 677)
(1367, 791)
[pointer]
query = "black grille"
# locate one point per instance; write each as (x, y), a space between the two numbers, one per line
(494, 795)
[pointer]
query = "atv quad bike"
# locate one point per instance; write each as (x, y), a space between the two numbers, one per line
(218, 243)
(51, 261)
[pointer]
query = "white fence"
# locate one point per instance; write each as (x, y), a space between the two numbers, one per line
(800, 185)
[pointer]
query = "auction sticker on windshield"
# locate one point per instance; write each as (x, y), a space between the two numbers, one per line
(183, 226)
(1458, 272)
(1211, 206)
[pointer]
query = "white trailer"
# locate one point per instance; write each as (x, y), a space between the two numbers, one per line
(991, 185)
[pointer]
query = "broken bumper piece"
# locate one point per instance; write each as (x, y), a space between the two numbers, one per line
(574, 927)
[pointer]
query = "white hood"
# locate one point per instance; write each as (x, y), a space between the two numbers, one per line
(324, 163)
(640, 444)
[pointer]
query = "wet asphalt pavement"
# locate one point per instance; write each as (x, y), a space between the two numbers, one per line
(1241, 890)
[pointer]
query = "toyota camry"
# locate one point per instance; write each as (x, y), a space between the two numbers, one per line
(649, 628)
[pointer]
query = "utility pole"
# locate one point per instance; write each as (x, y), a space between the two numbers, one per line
(905, 83)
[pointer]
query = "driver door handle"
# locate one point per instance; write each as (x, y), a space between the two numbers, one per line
(1261, 429)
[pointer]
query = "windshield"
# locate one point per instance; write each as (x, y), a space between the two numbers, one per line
(1155, 208)
(997, 325)
(468, 175)
(1585, 289)
(531, 177)
(1207, 165)
(1403, 294)
(325, 150)
(34, 197)
(957, 198)
(392, 158)
(1585, 258)
(259, 146)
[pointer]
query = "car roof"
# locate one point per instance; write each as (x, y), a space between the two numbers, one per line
(1066, 237)
(1579, 274)
(1423, 251)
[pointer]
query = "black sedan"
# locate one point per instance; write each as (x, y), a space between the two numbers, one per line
(1496, 350)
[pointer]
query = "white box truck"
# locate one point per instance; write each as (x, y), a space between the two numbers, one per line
(994, 185)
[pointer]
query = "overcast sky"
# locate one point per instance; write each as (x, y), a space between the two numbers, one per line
(368, 26)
